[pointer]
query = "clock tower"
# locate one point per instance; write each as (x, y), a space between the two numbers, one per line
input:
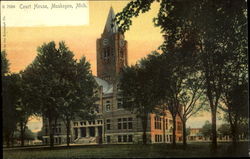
(111, 50)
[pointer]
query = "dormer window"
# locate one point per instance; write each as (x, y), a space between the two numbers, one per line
(119, 103)
(108, 105)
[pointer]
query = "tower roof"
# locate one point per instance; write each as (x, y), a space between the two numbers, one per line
(110, 26)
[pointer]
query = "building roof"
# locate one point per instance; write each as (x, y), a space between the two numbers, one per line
(107, 88)
(110, 26)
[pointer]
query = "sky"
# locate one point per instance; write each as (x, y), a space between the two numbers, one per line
(21, 42)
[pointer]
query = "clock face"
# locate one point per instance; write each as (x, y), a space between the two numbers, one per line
(105, 42)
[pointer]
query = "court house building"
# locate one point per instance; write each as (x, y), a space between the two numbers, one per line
(113, 124)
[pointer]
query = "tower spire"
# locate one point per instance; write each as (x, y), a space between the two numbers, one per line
(110, 26)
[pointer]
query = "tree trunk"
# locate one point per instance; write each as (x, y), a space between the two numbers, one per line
(22, 126)
(12, 139)
(7, 139)
(214, 132)
(164, 126)
(174, 131)
(51, 133)
(184, 133)
(234, 131)
(144, 127)
(68, 132)
(234, 135)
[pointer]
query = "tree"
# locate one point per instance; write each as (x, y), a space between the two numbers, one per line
(8, 107)
(185, 74)
(206, 129)
(235, 90)
(80, 99)
(136, 89)
(23, 109)
(236, 109)
(28, 135)
(188, 131)
(213, 23)
(61, 86)
(40, 134)
(10, 99)
(4, 64)
(224, 130)
(191, 101)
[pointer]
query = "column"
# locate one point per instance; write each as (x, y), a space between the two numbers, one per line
(96, 131)
(87, 131)
(79, 132)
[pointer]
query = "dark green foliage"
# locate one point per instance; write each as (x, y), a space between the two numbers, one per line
(206, 129)
(61, 86)
(215, 28)
(15, 111)
(224, 130)
(236, 108)
(137, 89)
(40, 134)
(28, 135)
(10, 92)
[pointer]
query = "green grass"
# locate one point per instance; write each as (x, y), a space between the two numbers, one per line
(129, 151)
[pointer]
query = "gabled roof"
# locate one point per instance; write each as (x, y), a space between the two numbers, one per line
(110, 26)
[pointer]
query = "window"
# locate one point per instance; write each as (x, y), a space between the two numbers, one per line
(121, 53)
(106, 52)
(97, 108)
(170, 122)
(119, 103)
(59, 130)
(179, 128)
(124, 138)
(125, 123)
(107, 105)
(158, 138)
(130, 138)
(108, 124)
(166, 124)
(75, 123)
(130, 124)
(60, 140)
(157, 122)
(119, 123)
(108, 139)
(119, 138)
(99, 121)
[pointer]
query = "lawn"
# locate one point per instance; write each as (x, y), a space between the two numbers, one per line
(128, 151)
